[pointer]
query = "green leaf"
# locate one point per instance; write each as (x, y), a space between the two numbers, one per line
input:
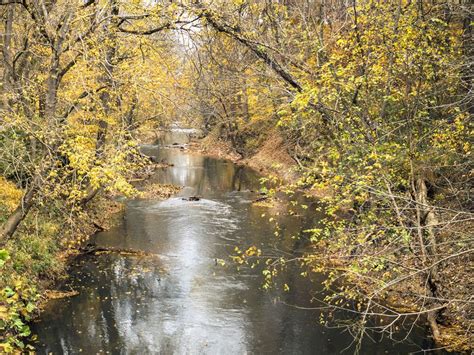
(4, 256)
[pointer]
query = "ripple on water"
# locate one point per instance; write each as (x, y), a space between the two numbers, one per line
(214, 217)
(149, 146)
(178, 204)
(185, 130)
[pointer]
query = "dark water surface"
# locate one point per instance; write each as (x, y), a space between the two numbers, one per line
(178, 301)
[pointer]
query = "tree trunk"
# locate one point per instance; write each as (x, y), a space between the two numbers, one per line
(7, 62)
(54, 77)
(107, 78)
(427, 220)
(12, 223)
(129, 117)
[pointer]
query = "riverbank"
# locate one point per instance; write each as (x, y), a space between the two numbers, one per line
(177, 297)
(37, 264)
(34, 268)
(454, 322)
(264, 162)
(271, 158)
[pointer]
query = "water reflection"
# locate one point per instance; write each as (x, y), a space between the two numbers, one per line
(178, 301)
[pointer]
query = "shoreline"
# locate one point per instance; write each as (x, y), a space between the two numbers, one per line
(453, 337)
(264, 167)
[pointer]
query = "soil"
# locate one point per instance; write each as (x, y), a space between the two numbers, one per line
(271, 159)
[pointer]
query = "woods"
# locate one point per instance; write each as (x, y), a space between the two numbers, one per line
(372, 101)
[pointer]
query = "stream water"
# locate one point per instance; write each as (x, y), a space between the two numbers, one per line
(178, 300)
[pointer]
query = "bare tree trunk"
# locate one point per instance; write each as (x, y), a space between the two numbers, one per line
(256, 49)
(107, 77)
(55, 68)
(129, 117)
(426, 219)
(12, 223)
(7, 62)
(91, 193)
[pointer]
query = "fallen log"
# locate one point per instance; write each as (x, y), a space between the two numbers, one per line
(260, 199)
(191, 198)
(54, 295)
(91, 249)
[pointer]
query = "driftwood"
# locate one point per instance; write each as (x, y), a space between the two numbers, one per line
(191, 198)
(177, 146)
(54, 295)
(97, 226)
(91, 249)
(153, 159)
(260, 199)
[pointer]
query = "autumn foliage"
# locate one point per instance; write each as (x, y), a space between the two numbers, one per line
(373, 100)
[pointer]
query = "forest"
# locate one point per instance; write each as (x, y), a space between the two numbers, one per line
(364, 106)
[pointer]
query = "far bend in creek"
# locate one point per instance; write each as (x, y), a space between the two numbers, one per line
(180, 301)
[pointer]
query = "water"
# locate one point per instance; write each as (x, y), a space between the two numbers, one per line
(177, 300)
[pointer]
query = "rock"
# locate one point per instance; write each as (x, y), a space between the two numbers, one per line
(191, 198)
(260, 199)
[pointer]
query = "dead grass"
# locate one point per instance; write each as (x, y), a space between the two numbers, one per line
(159, 191)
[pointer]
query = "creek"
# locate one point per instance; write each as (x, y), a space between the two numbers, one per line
(178, 300)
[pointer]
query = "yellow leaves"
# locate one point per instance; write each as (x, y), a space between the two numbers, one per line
(3, 312)
(238, 259)
(221, 262)
(338, 179)
(341, 42)
(253, 251)
(301, 101)
(10, 195)
(467, 147)
(243, 257)
(453, 137)
(6, 348)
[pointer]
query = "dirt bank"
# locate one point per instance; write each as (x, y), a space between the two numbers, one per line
(271, 159)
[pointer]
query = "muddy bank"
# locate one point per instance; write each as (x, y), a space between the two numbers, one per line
(271, 159)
